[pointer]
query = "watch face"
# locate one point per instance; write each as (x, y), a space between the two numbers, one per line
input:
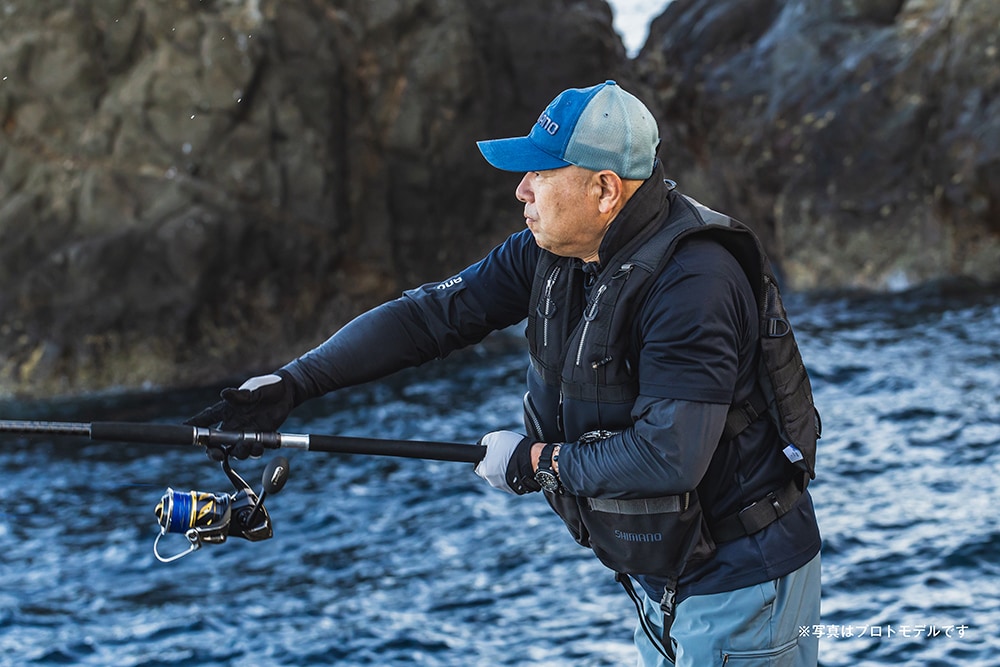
(547, 480)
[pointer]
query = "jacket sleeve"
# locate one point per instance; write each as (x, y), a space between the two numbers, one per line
(665, 452)
(697, 339)
(425, 323)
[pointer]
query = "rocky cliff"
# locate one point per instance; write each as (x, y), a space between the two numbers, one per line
(861, 136)
(191, 191)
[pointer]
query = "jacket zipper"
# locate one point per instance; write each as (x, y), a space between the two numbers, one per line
(591, 312)
(559, 412)
(588, 317)
(532, 414)
(547, 299)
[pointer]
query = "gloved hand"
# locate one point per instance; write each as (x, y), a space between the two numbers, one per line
(507, 464)
(261, 403)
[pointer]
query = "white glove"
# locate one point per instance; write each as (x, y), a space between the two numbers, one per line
(507, 464)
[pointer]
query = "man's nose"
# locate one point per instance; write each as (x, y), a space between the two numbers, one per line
(523, 191)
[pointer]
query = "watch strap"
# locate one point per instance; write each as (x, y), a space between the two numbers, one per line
(545, 457)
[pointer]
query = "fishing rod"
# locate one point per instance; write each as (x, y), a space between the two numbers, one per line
(177, 434)
(204, 517)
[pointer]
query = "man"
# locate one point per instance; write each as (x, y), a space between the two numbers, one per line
(644, 335)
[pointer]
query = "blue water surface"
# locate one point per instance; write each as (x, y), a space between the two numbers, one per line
(379, 561)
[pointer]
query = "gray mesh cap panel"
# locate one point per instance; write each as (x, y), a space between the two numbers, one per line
(616, 132)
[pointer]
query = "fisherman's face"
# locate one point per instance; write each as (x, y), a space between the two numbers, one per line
(562, 210)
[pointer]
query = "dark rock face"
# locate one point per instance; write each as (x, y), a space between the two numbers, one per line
(861, 136)
(197, 190)
(190, 190)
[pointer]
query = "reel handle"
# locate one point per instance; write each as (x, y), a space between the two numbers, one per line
(272, 480)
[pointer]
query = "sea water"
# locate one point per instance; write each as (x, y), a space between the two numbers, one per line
(381, 561)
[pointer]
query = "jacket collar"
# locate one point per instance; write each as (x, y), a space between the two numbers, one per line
(644, 209)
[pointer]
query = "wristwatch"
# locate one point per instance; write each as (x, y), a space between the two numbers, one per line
(545, 475)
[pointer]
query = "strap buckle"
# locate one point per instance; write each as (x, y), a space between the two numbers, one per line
(753, 519)
(777, 327)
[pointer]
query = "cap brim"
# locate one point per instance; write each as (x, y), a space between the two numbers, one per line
(518, 154)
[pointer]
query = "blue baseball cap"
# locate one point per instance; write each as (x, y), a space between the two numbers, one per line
(601, 127)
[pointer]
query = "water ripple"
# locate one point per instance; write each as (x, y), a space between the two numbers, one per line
(404, 562)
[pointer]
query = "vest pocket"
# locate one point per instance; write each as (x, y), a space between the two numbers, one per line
(654, 536)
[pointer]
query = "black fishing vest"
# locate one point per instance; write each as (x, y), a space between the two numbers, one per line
(587, 355)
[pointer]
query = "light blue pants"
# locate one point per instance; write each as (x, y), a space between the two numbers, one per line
(756, 626)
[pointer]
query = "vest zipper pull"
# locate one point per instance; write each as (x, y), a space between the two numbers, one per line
(623, 271)
(600, 362)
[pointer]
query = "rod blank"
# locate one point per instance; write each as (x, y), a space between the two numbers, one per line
(175, 434)
(54, 428)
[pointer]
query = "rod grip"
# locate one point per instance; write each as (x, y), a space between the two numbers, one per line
(414, 449)
(158, 434)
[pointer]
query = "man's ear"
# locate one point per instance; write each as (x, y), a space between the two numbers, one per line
(611, 190)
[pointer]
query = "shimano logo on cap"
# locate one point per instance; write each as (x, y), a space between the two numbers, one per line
(548, 124)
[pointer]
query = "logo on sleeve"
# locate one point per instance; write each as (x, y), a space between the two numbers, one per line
(451, 282)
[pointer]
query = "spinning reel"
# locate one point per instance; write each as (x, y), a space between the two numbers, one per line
(209, 518)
